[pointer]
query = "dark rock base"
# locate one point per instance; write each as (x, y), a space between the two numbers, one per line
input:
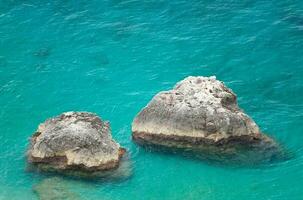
(60, 163)
(244, 150)
(121, 171)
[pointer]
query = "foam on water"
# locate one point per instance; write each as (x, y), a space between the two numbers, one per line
(112, 56)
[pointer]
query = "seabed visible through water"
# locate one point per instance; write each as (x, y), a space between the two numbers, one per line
(111, 57)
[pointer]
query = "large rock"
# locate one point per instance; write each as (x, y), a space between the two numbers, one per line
(75, 140)
(202, 114)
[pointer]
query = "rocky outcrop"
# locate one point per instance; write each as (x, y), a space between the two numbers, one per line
(201, 114)
(75, 140)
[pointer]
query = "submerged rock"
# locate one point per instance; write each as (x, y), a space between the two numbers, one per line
(54, 188)
(202, 115)
(75, 140)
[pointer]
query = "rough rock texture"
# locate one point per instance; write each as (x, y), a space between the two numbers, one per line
(199, 113)
(75, 140)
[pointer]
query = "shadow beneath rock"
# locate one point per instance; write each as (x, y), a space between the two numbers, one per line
(236, 157)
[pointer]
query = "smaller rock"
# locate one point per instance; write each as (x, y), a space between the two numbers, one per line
(75, 140)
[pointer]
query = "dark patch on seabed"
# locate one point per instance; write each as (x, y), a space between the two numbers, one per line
(43, 52)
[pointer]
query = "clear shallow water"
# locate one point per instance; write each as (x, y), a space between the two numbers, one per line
(111, 57)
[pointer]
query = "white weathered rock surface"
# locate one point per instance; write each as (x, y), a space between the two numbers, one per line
(75, 140)
(197, 112)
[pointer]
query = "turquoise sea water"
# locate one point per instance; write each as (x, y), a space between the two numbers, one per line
(112, 56)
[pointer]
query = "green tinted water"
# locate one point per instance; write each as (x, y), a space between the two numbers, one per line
(111, 57)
